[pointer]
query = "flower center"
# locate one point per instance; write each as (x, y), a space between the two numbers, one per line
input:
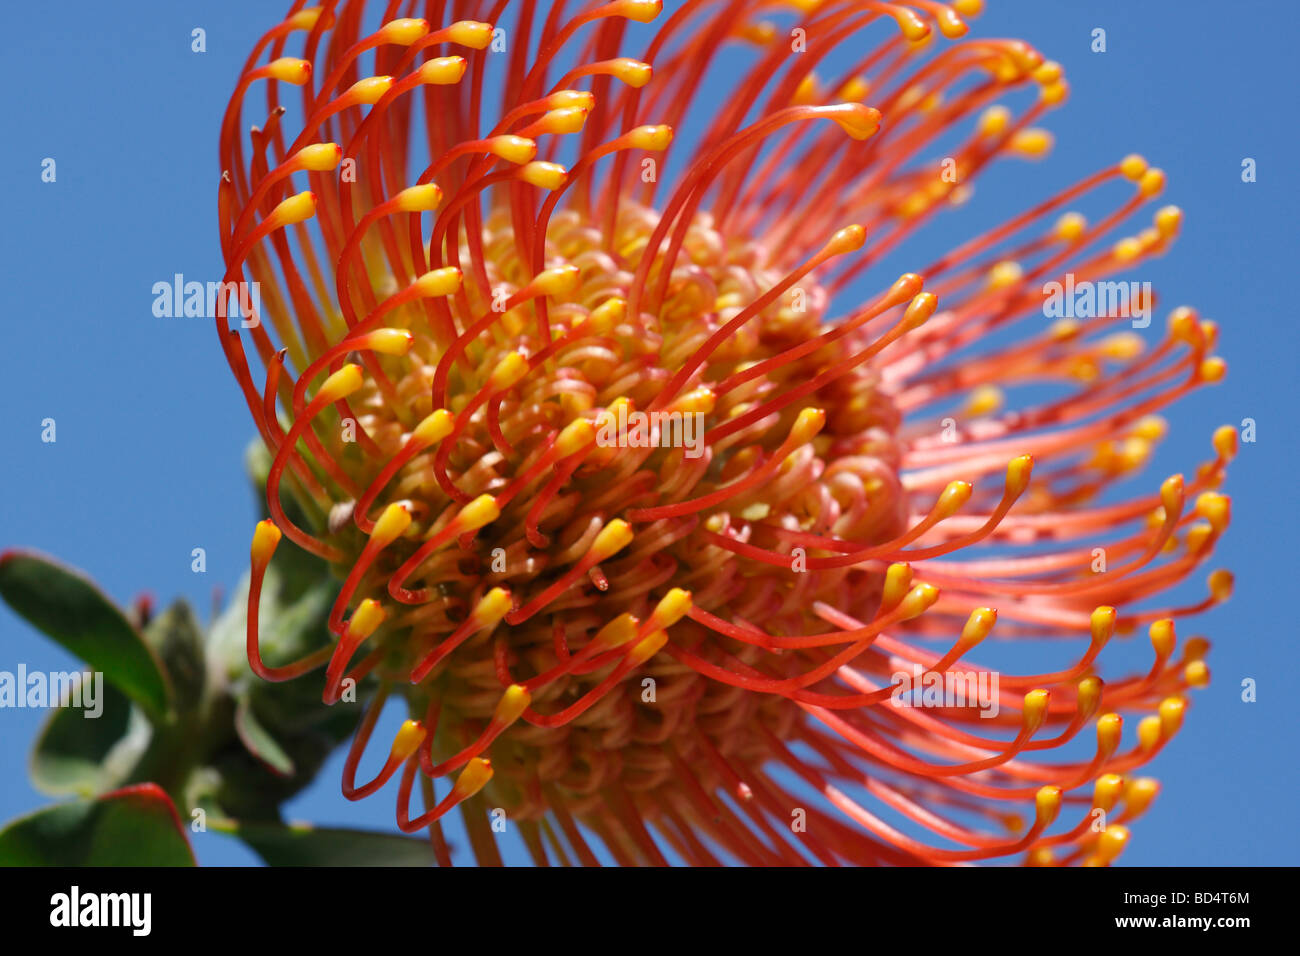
(611, 368)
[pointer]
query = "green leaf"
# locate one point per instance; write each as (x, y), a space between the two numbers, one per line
(301, 844)
(135, 826)
(259, 742)
(86, 756)
(177, 638)
(64, 605)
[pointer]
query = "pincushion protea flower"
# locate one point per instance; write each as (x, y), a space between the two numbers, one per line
(687, 655)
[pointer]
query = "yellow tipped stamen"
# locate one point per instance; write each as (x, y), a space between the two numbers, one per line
(978, 626)
(672, 607)
(1171, 712)
(387, 341)
(365, 620)
(617, 632)
(952, 500)
(1109, 728)
(860, 122)
(1214, 508)
(1221, 582)
(289, 69)
(1070, 227)
(574, 437)
(266, 537)
(483, 510)
(1089, 696)
(445, 281)
(297, 208)
(403, 32)
(918, 601)
(370, 90)
(434, 428)
(807, 426)
(442, 71)
(1110, 844)
(1148, 733)
(1047, 804)
(1103, 625)
(632, 72)
(512, 705)
(513, 149)
(472, 779)
(1107, 791)
(1163, 637)
(642, 11)
(509, 372)
(613, 538)
(1005, 274)
(392, 524)
(898, 580)
(1133, 167)
(320, 157)
(647, 648)
(544, 175)
(491, 608)
(408, 740)
(473, 34)
(1019, 471)
(425, 198)
(1034, 710)
(1152, 182)
(340, 385)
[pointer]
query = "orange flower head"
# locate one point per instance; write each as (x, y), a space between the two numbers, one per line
(675, 542)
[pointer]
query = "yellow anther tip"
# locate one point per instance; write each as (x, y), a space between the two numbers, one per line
(473, 778)
(320, 157)
(632, 72)
(340, 385)
(492, 607)
(672, 607)
(513, 703)
(445, 281)
(404, 32)
(389, 341)
(371, 89)
(408, 739)
(613, 538)
(1103, 624)
(647, 648)
(266, 536)
(295, 209)
(859, 121)
(544, 175)
(481, 511)
(1047, 804)
(979, 625)
(1019, 471)
(470, 33)
(848, 239)
(422, 198)
(1133, 167)
(1163, 636)
(509, 372)
(391, 525)
(435, 427)
(513, 149)
(1221, 583)
(642, 11)
(365, 620)
(1152, 182)
(289, 69)
(443, 70)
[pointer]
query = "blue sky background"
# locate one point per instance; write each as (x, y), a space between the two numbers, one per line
(151, 431)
